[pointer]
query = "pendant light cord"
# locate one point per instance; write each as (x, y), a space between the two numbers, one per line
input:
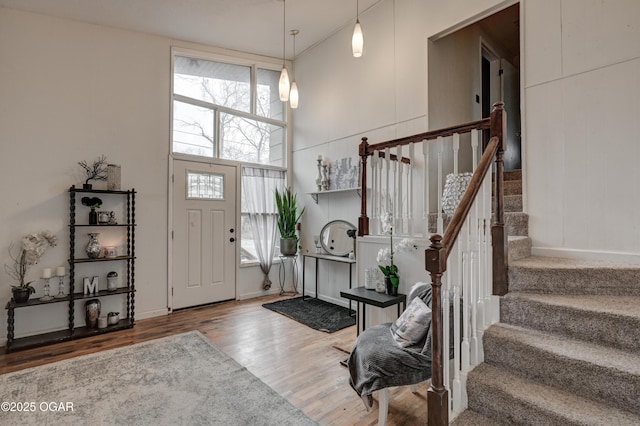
(284, 31)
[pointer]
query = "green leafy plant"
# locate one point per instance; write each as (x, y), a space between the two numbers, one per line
(92, 202)
(288, 215)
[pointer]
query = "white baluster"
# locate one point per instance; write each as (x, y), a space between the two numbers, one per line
(412, 157)
(380, 199)
(387, 164)
(425, 183)
(456, 387)
(456, 150)
(473, 342)
(399, 192)
(474, 148)
(374, 192)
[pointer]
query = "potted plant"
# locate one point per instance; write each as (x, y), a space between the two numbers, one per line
(288, 218)
(113, 318)
(93, 203)
(33, 247)
(94, 171)
(390, 271)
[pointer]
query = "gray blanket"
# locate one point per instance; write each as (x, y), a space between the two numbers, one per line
(377, 361)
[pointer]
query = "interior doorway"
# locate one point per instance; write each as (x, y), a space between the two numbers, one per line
(473, 66)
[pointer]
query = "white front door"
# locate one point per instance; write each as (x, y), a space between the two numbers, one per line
(204, 233)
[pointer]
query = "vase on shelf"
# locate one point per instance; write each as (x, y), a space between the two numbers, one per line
(91, 312)
(93, 247)
(93, 217)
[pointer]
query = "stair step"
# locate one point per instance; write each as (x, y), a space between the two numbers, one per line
(610, 320)
(471, 418)
(499, 394)
(519, 247)
(515, 174)
(573, 276)
(510, 187)
(513, 203)
(585, 369)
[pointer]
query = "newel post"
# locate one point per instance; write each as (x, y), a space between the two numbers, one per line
(437, 394)
(363, 220)
(498, 234)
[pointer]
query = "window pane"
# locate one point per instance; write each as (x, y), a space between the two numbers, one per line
(223, 84)
(248, 252)
(244, 139)
(206, 186)
(268, 98)
(192, 129)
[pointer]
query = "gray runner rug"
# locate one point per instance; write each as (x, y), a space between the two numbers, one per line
(314, 313)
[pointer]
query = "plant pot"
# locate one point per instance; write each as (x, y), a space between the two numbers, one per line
(87, 186)
(21, 294)
(288, 246)
(392, 284)
(93, 217)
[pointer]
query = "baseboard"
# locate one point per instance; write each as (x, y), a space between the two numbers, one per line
(151, 314)
(254, 294)
(608, 256)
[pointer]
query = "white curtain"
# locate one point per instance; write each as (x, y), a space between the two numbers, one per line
(258, 199)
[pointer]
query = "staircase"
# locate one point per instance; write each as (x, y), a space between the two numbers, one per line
(567, 349)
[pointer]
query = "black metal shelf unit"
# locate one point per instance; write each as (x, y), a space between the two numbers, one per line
(72, 332)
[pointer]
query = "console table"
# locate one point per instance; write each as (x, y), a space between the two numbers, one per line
(372, 297)
(330, 258)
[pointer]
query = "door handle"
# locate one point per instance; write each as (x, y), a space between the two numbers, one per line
(232, 239)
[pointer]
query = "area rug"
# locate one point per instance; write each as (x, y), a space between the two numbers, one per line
(314, 313)
(176, 380)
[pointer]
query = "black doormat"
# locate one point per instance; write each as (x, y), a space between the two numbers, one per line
(314, 313)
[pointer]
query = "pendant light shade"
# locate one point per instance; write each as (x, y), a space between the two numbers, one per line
(357, 41)
(283, 85)
(293, 95)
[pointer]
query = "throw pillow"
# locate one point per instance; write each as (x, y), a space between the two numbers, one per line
(412, 326)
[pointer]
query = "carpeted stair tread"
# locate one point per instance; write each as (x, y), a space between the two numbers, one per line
(590, 370)
(609, 320)
(512, 203)
(516, 223)
(519, 247)
(573, 276)
(471, 418)
(499, 394)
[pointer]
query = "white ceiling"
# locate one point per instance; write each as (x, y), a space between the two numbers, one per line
(253, 26)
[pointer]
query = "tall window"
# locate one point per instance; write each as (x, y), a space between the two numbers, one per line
(229, 111)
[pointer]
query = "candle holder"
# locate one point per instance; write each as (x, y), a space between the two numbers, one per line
(60, 294)
(46, 296)
(319, 175)
(325, 177)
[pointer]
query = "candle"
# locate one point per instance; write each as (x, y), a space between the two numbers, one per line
(319, 157)
(46, 273)
(60, 271)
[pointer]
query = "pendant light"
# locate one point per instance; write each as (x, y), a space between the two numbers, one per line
(357, 41)
(293, 94)
(283, 85)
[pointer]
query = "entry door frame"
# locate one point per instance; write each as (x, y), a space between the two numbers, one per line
(171, 198)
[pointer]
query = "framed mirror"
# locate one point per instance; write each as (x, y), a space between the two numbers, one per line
(335, 238)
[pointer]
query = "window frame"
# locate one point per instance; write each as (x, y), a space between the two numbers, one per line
(217, 110)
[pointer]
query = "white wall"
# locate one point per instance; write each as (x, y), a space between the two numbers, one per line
(71, 91)
(582, 90)
(580, 62)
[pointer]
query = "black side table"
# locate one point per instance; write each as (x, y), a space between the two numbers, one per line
(373, 298)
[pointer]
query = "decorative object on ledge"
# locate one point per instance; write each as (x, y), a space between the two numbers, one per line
(325, 176)
(93, 203)
(319, 175)
(336, 238)
(46, 276)
(344, 173)
(454, 188)
(90, 286)
(102, 322)
(110, 252)
(92, 312)
(60, 273)
(32, 250)
(96, 171)
(113, 317)
(93, 247)
(113, 177)
(112, 281)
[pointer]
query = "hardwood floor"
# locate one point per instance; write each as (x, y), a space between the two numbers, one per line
(298, 362)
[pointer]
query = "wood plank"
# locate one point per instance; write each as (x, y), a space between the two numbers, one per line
(300, 363)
